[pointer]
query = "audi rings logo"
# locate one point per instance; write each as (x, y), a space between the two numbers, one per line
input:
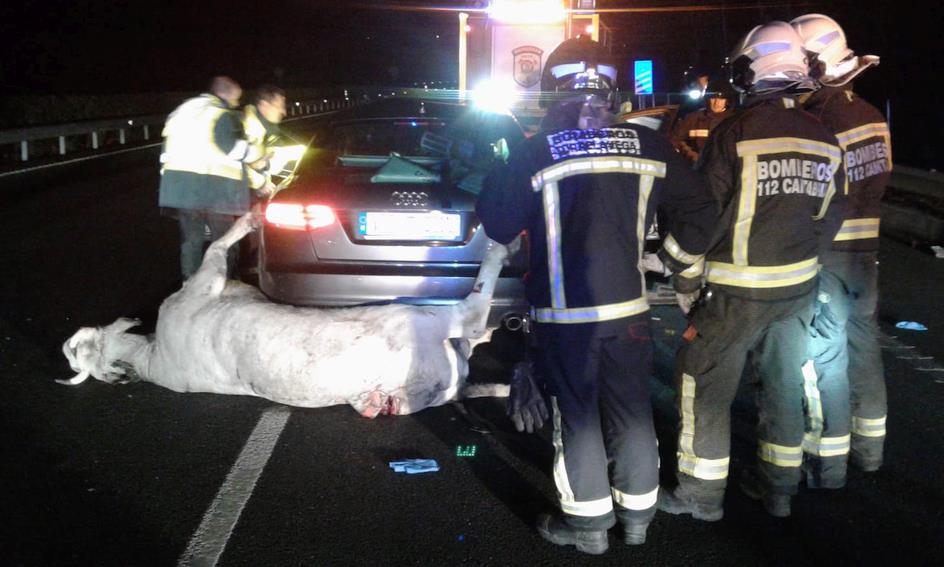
(409, 198)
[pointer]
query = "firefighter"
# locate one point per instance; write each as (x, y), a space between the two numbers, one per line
(774, 169)
(691, 132)
(261, 122)
(845, 344)
(585, 193)
(202, 176)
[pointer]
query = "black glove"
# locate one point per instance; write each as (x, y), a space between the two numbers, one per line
(526, 406)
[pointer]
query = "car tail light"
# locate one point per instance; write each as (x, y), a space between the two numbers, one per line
(299, 217)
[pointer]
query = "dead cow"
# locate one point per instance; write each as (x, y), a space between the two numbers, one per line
(226, 337)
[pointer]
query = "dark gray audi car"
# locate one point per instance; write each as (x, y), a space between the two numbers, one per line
(383, 209)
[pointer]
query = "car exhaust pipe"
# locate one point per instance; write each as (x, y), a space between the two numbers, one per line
(515, 322)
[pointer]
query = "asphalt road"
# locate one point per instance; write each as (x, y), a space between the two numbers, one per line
(130, 475)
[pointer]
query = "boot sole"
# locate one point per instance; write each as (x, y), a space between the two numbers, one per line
(775, 511)
(695, 511)
(590, 548)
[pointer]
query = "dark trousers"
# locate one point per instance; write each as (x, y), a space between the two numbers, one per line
(601, 415)
(193, 241)
(850, 378)
(732, 331)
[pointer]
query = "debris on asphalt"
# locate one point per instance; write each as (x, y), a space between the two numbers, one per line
(414, 466)
(938, 251)
(911, 326)
(466, 451)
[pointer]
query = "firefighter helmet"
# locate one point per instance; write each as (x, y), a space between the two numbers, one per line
(720, 87)
(770, 58)
(580, 65)
(831, 60)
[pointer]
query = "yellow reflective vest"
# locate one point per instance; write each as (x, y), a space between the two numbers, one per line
(190, 146)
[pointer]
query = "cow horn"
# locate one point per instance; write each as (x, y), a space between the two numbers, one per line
(75, 380)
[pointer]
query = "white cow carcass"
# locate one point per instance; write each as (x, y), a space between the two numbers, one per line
(226, 337)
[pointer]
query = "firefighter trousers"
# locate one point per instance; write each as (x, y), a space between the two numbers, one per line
(602, 414)
(731, 332)
(848, 407)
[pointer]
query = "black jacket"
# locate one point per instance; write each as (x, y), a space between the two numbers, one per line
(586, 198)
(690, 134)
(867, 157)
(775, 171)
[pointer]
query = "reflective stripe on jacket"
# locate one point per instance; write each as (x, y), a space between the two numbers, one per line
(586, 197)
(775, 170)
(865, 139)
(190, 141)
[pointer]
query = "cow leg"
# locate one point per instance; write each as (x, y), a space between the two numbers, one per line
(211, 277)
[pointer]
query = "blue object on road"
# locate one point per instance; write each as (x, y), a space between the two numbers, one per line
(911, 326)
(415, 466)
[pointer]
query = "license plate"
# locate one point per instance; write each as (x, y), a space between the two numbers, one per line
(409, 226)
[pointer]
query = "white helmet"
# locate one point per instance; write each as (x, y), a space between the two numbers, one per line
(831, 61)
(770, 58)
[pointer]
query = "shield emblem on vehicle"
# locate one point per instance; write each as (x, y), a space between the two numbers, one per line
(527, 63)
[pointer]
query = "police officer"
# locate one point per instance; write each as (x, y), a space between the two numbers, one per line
(261, 122)
(690, 134)
(586, 193)
(771, 166)
(845, 344)
(202, 177)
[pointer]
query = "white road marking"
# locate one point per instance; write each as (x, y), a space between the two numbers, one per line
(209, 540)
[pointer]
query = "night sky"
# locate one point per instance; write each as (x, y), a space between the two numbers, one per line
(145, 46)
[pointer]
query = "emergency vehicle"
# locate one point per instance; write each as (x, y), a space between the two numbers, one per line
(503, 49)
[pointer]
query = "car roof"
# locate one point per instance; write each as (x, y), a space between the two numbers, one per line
(403, 107)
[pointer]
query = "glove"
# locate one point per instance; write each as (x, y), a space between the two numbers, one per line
(500, 150)
(825, 324)
(415, 466)
(686, 300)
(526, 406)
(651, 263)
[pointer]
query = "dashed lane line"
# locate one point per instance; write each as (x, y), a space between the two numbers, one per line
(210, 539)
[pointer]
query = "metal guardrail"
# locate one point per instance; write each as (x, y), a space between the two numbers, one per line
(922, 182)
(129, 127)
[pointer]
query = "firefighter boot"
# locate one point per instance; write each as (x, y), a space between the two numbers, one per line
(557, 531)
(820, 475)
(866, 454)
(634, 533)
(777, 505)
(705, 507)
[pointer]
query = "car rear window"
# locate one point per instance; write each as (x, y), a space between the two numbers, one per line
(382, 137)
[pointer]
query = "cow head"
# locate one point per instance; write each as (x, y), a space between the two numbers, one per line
(95, 351)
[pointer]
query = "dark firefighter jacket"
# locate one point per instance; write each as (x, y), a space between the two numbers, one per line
(586, 198)
(775, 170)
(867, 158)
(690, 134)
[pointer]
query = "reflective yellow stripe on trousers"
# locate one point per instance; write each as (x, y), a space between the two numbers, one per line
(565, 493)
(869, 427)
(780, 455)
(688, 462)
(636, 501)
